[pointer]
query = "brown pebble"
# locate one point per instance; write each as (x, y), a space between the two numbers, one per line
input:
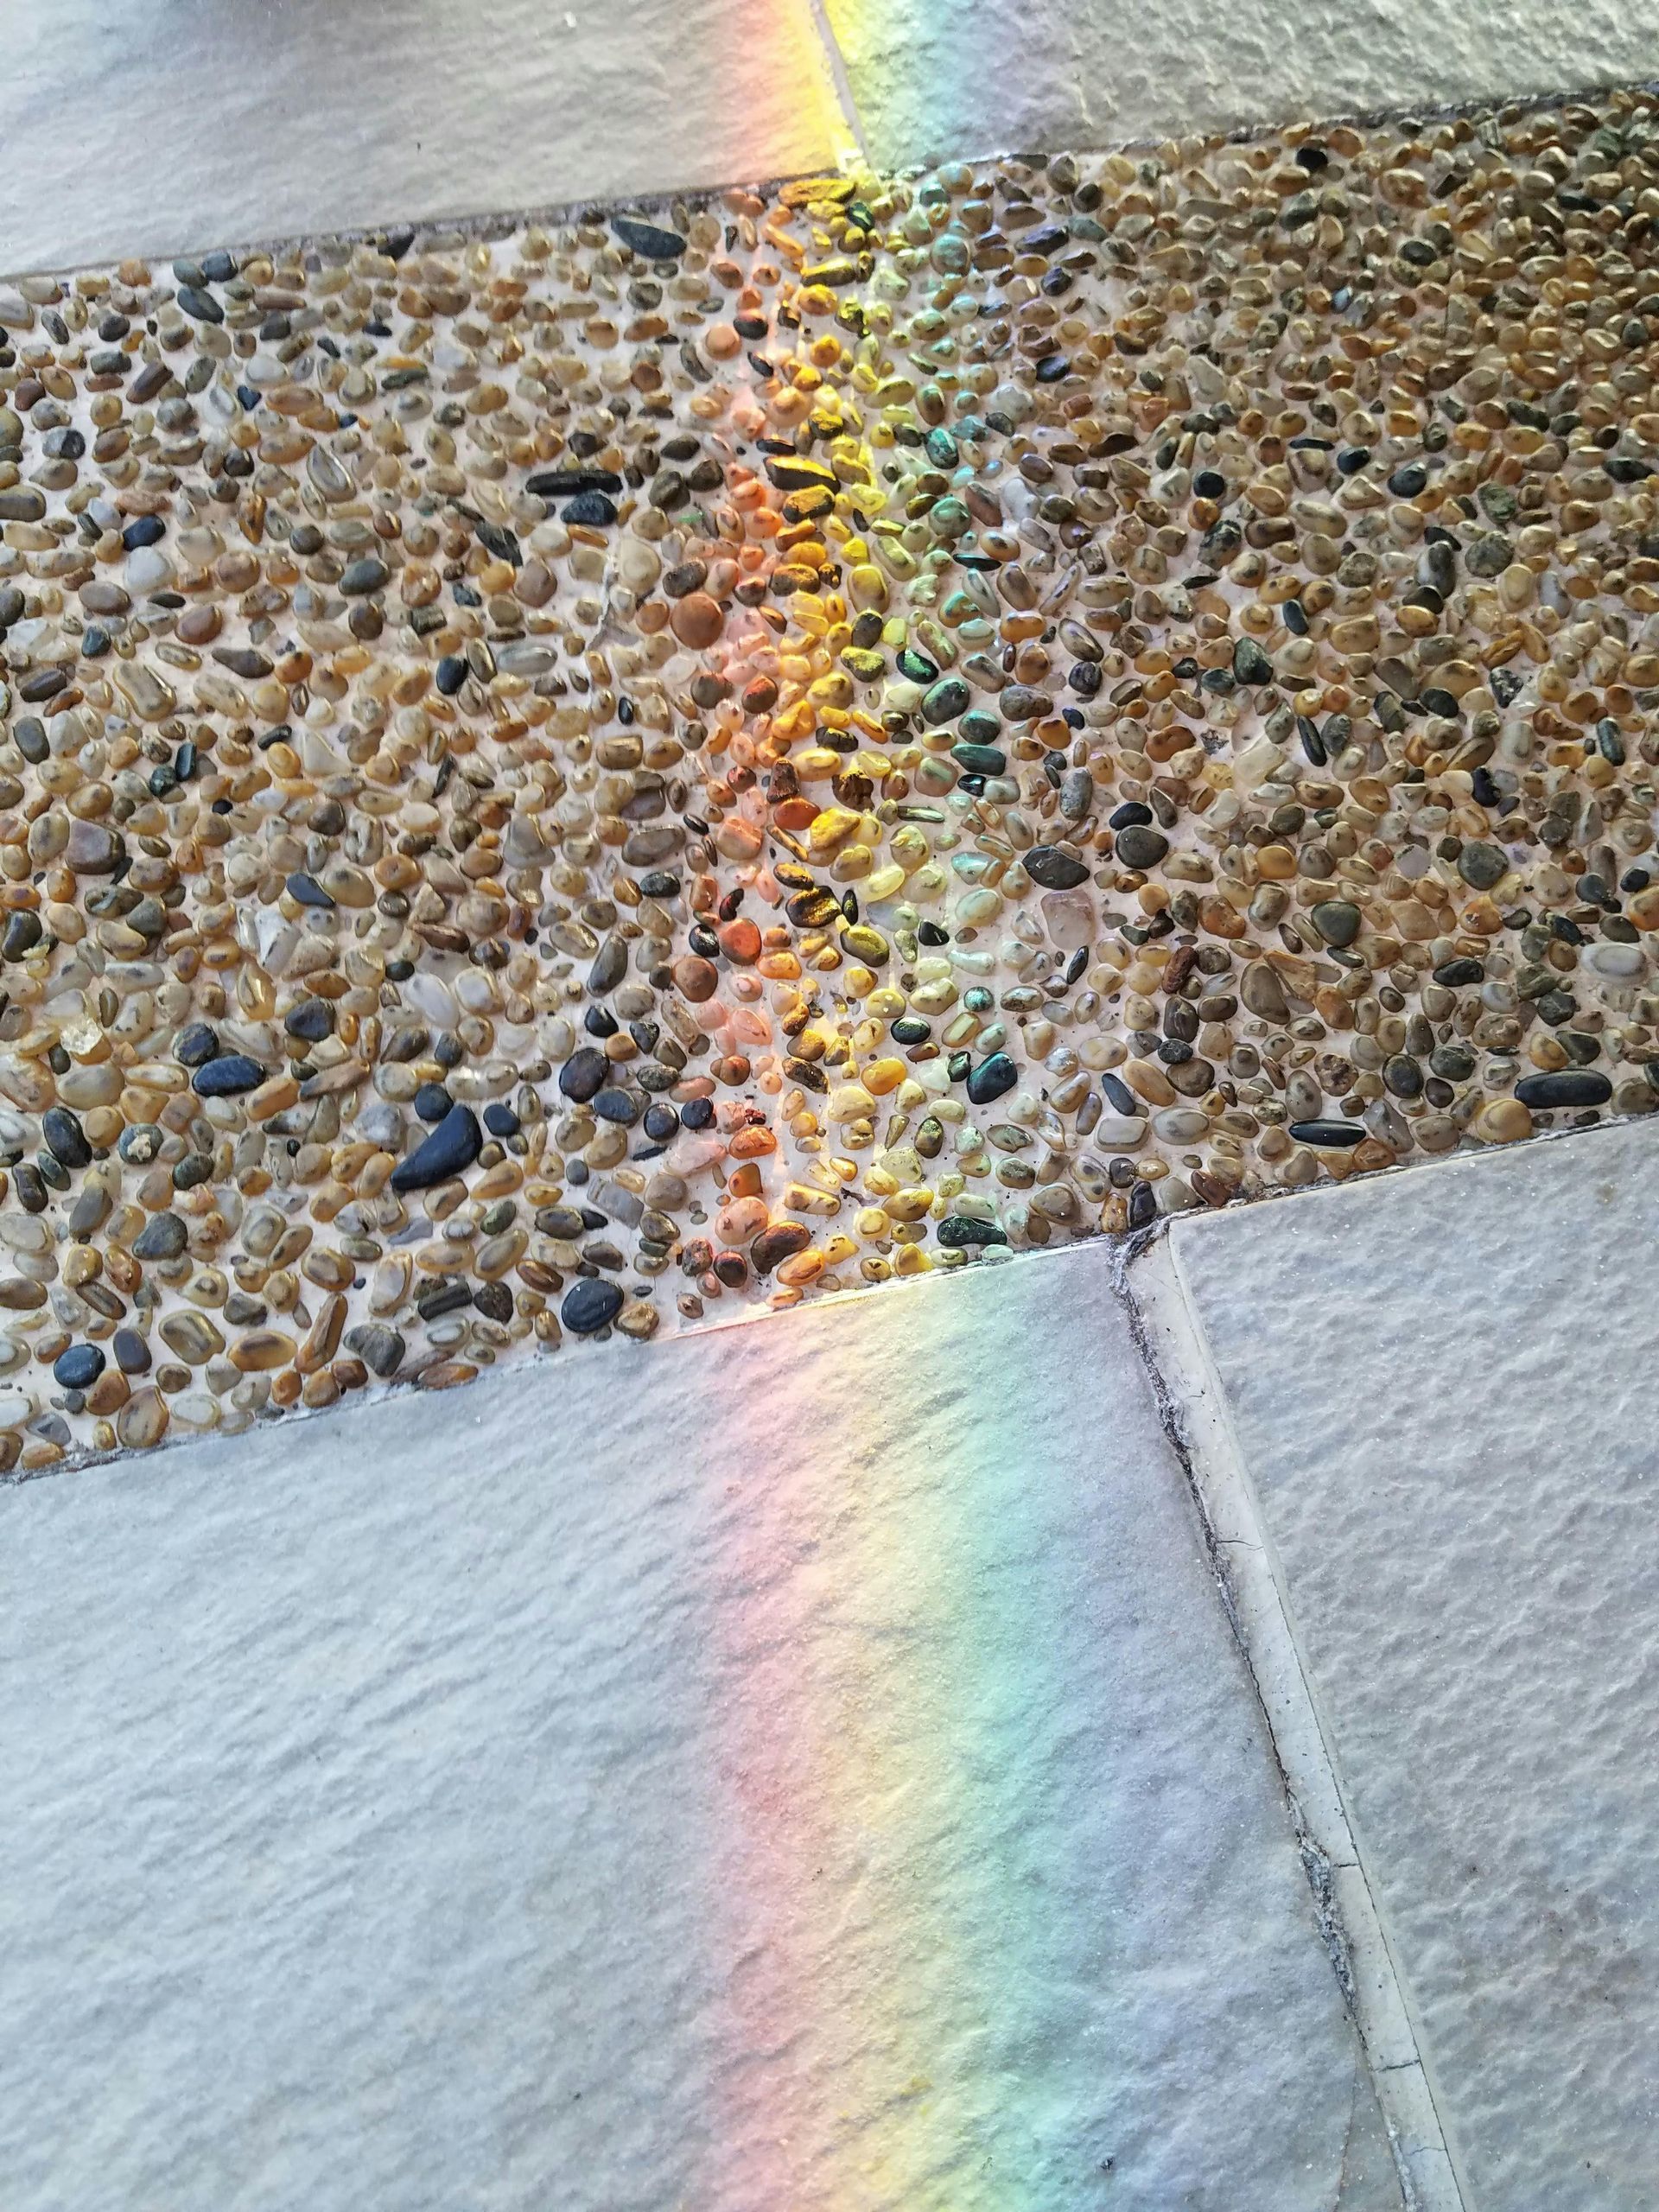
(695, 978)
(696, 620)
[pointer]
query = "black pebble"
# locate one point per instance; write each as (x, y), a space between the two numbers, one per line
(1054, 869)
(65, 1137)
(590, 1305)
(566, 483)
(1571, 1087)
(1336, 1134)
(991, 1079)
(649, 239)
(583, 1074)
(132, 1352)
(311, 1020)
(957, 1230)
(79, 1368)
(450, 1150)
(228, 1075)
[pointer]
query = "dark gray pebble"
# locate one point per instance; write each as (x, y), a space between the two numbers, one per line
(1338, 1134)
(450, 1150)
(1570, 1087)
(226, 1077)
(590, 1305)
(1055, 869)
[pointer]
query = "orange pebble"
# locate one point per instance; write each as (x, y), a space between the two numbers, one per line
(740, 942)
(754, 1143)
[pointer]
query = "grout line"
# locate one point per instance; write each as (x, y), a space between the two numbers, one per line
(1193, 1409)
(835, 63)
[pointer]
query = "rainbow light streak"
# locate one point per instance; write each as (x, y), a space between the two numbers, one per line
(896, 1896)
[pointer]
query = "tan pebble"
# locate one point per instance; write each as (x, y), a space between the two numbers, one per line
(192, 1336)
(143, 1420)
(328, 1269)
(262, 1349)
(1502, 1121)
(1148, 1080)
(109, 1394)
(445, 1374)
(273, 1097)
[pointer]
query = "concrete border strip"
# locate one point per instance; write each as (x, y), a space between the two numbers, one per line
(1193, 1410)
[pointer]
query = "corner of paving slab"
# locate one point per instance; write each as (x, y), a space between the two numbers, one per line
(1170, 1278)
(1152, 1276)
(434, 1602)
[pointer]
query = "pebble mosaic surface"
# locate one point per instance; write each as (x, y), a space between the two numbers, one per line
(564, 777)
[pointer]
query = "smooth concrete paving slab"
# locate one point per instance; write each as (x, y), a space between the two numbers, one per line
(1442, 1392)
(804, 1764)
(169, 126)
(933, 79)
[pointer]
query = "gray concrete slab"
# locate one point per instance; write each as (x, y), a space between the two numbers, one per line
(929, 80)
(1442, 1391)
(168, 126)
(805, 1764)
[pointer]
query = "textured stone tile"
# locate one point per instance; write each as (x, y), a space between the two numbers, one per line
(1442, 1391)
(840, 1791)
(296, 115)
(932, 81)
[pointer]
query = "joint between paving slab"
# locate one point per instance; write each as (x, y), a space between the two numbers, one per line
(1148, 1282)
(856, 153)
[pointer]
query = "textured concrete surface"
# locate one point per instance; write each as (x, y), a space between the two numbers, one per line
(1197, 1405)
(164, 126)
(933, 78)
(1443, 1390)
(841, 1792)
